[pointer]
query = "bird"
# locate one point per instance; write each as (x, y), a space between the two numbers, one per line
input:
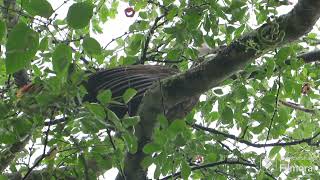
(119, 79)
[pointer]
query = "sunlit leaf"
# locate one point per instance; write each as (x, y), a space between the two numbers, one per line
(128, 95)
(130, 121)
(105, 96)
(151, 148)
(97, 110)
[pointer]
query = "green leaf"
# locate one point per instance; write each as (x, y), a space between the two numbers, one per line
(131, 141)
(21, 47)
(274, 151)
(91, 46)
(284, 116)
(44, 44)
(3, 30)
(8, 138)
(134, 44)
(21, 126)
(3, 177)
(213, 156)
(177, 126)
(283, 54)
(163, 121)
(97, 110)
(61, 58)
(4, 109)
(38, 7)
(151, 148)
(130, 121)
(146, 162)
(227, 115)
(115, 120)
(105, 162)
(128, 95)
(103, 13)
(173, 54)
(185, 170)
(79, 15)
(105, 96)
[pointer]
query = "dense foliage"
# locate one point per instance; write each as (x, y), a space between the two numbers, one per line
(261, 123)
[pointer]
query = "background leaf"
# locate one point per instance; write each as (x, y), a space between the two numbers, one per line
(21, 47)
(61, 58)
(79, 15)
(91, 46)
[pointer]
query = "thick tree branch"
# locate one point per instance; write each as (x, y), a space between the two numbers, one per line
(210, 73)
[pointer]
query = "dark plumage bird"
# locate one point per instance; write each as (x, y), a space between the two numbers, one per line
(118, 80)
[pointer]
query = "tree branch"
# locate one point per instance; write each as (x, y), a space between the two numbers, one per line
(297, 107)
(257, 145)
(214, 164)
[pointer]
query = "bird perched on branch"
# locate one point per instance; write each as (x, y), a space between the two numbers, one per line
(118, 80)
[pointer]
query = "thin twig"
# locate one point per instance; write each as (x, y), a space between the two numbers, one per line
(149, 36)
(224, 162)
(257, 145)
(275, 107)
(297, 107)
